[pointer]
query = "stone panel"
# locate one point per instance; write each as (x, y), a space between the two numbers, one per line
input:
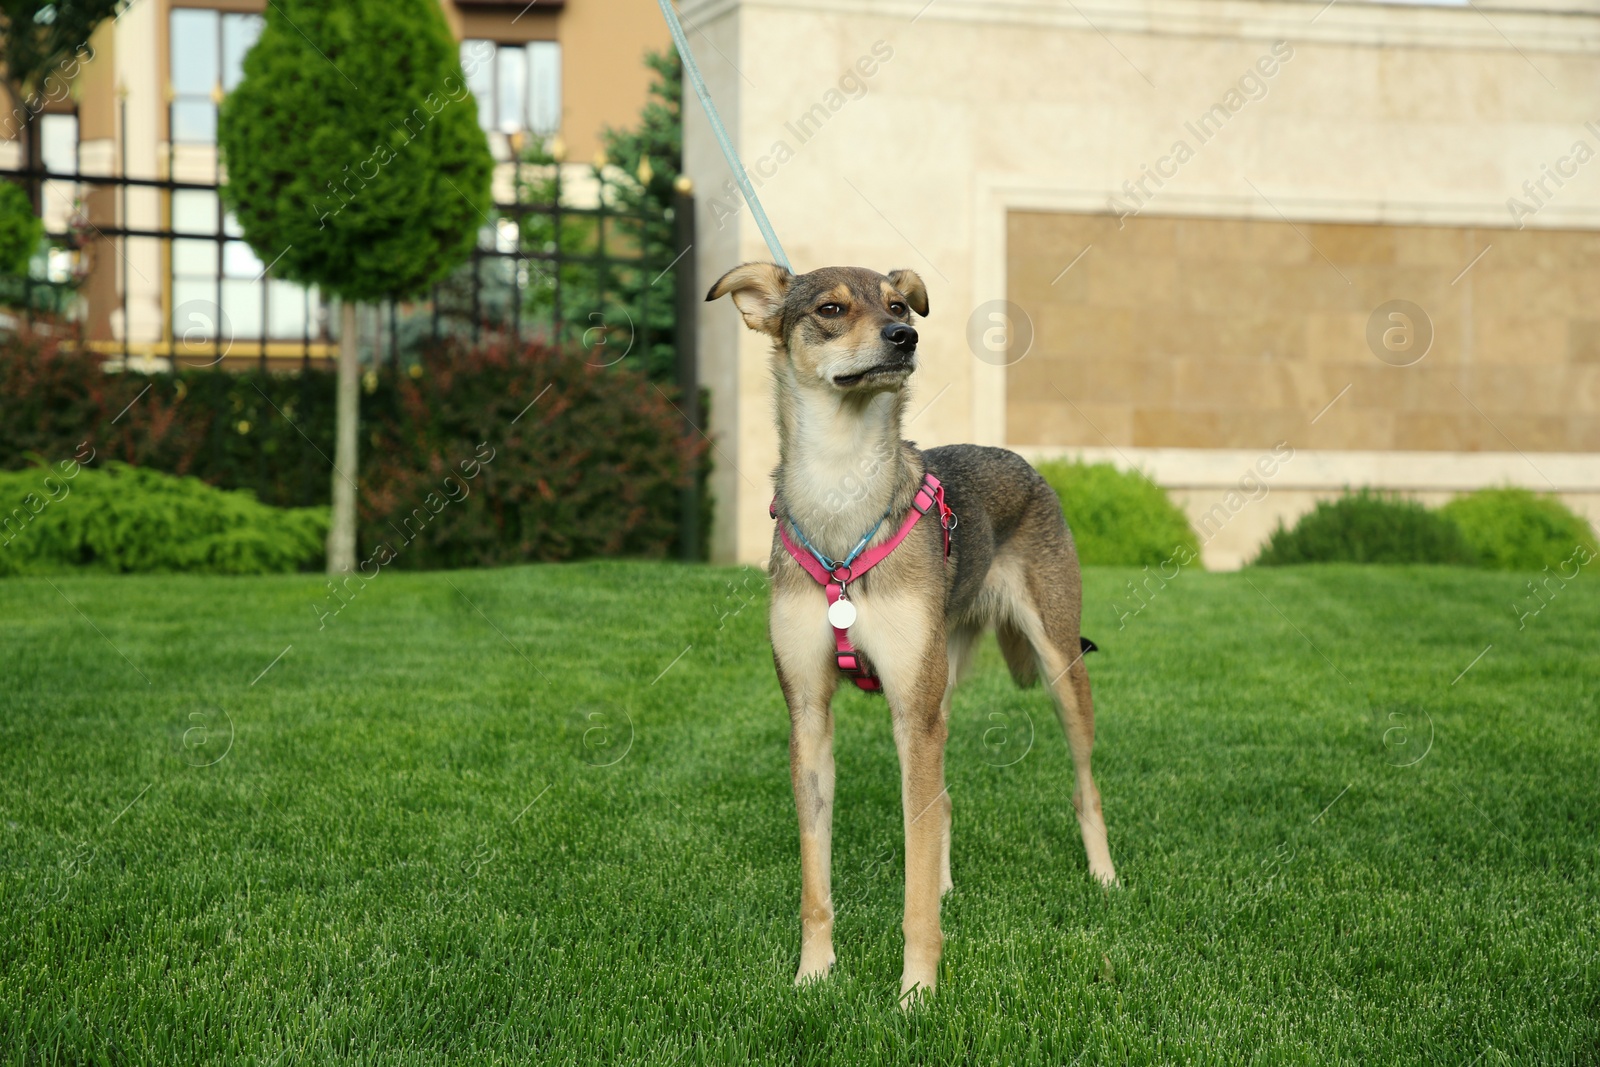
(1235, 333)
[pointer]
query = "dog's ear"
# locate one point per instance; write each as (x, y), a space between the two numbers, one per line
(758, 290)
(912, 289)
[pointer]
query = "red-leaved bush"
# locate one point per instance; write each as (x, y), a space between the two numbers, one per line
(594, 467)
(503, 454)
(55, 396)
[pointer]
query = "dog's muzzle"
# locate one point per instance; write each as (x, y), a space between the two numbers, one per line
(902, 355)
(899, 364)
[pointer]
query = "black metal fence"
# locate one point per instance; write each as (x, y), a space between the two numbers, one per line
(542, 270)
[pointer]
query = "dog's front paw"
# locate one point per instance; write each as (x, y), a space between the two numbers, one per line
(914, 993)
(917, 985)
(814, 965)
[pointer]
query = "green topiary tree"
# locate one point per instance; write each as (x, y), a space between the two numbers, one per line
(20, 229)
(1515, 529)
(355, 163)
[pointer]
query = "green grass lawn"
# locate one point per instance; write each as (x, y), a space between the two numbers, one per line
(542, 815)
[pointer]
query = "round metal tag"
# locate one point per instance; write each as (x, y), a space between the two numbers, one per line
(841, 614)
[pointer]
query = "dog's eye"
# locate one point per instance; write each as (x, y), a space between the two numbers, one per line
(831, 311)
(897, 308)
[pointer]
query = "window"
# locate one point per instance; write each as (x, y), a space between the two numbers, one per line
(518, 87)
(58, 151)
(208, 49)
(200, 262)
(544, 87)
(58, 143)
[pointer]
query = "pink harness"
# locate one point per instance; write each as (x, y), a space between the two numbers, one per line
(836, 577)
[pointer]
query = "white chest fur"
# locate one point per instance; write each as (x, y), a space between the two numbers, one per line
(839, 468)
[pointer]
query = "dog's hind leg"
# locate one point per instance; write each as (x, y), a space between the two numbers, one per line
(1047, 611)
(1019, 655)
(1075, 705)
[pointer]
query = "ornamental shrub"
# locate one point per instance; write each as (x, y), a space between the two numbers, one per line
(52, 397)
(1118, 517)
(126, 519)
(354, 157)
(1368, 527)
(562, 460)
(1515, 529)
(355, 163)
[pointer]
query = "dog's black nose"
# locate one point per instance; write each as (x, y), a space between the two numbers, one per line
(901, 336)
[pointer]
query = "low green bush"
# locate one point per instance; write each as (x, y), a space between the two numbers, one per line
(126, 519)
(1515, 529)
(1368, 527)
(1119, 517)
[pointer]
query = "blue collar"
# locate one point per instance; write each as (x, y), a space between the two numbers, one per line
(861, 546)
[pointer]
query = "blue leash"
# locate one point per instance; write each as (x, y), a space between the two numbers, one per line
(693, 71)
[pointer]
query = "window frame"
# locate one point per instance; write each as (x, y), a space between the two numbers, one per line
(226, 79)
(540, 105)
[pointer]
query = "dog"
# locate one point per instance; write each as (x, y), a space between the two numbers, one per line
(843, 350)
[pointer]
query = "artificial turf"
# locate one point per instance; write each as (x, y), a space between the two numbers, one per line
(543, 815)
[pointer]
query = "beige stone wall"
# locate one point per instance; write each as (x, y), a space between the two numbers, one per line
(1190, 347)
(1385, 115)
(1229, 333)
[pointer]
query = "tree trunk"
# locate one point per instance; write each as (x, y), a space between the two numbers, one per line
(32, 147)
(342, 528)
(27, 135)
(28, 138)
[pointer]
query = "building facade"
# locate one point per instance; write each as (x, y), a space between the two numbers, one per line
(1346, 243)
(143, 104)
